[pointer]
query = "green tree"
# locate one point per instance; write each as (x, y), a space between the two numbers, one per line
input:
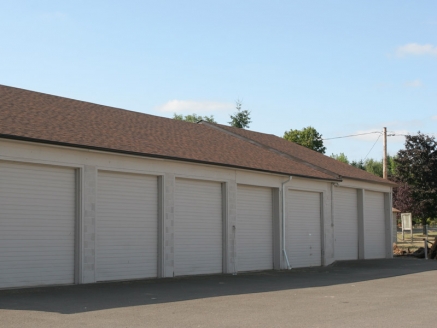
(359, 164)
(241, 118)
(373, 166)
(340, 157)
(307, 137)
(416, 166)
(194, 118)
(391, 165)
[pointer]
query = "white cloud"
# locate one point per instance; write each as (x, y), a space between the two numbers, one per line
(190, 106)
(413, 84)
(416, 49)
(434, 118)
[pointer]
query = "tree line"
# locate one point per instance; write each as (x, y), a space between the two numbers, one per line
(240, 119)
(370, 165)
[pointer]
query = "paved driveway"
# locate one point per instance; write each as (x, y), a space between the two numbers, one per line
(377, 293)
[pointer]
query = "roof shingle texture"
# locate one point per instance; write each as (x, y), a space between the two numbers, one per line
(305, 154)
(46, 118)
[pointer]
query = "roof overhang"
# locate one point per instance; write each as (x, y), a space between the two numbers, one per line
(149, 155)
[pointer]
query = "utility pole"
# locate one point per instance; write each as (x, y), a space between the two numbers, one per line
(384, 156)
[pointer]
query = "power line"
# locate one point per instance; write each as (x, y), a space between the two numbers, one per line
(352, 135)
(372, 147)
(392, 134)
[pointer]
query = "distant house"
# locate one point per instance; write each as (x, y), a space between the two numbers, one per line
(93, 193)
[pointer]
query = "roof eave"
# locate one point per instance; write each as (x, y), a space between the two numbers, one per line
(387, 182)
(126, 152)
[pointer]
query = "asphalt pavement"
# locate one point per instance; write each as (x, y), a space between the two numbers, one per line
(398, 292)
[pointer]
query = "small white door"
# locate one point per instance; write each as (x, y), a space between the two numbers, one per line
(126, 226)
(37, 225)
(374, 225)
(303, 233)
(346, 223)
(198, 228)
(254, 228)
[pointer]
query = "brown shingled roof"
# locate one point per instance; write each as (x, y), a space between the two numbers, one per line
(313, 158)
(38, 117)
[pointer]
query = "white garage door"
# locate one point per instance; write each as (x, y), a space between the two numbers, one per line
(254, 228)
(346, 223)
(126, 226)
(198, 227)
(374, 225)
(303, 241)
(37, 225)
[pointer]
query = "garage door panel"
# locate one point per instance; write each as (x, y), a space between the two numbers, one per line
(303, 232)
(124, 247)
(38, 278)
(39, 198)
(374, 225)
(18, 267)
(127, 226)
(198, 227)
(37, 219)
(120, 232)
(16, 234)
(56, 175)
(134, 262)
(9, 245)
(346, 223)
(254, 228)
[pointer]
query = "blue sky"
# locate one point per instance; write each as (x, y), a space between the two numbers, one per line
(344, 67)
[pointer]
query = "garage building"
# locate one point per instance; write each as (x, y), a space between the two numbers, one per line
(91, 193)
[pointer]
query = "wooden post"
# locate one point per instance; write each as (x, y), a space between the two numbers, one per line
(425, 248)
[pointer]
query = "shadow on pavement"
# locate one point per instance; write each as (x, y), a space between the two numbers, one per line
(101, 296)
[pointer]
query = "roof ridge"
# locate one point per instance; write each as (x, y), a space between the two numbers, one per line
(89, 102)
(272, 149)
(233, 127)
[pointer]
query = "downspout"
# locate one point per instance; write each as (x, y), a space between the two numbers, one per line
(334, 184)
(283, 222)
